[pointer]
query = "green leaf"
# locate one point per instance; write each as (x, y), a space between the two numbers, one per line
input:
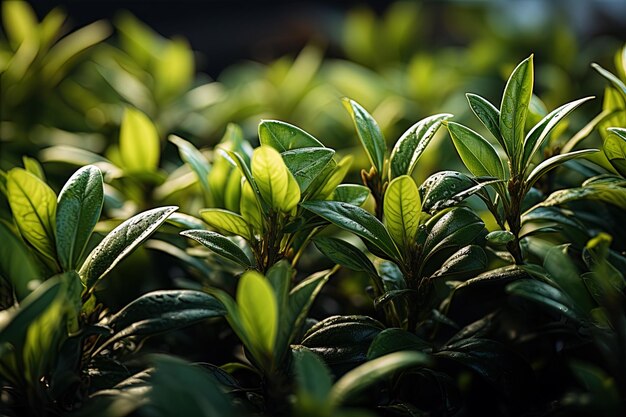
(34, 206)
(16, 262)
(602, 192)
(249, 207)
(458, 227)
(615, 149)
(500, 237)
(284, 137)
(162, 311)
(271, 176)
(351, 193)
(540, 132)
(470, 259)
(306, 164)
(412, 144)
(552, 163)
(545, 295)
(78, 210)
(344, 254)
(402, 207)
(373, 372)
(369, 133)
(617, 83)
(487, 113)
(395, 340)
(196, 161)
(356, 220)
(258, 310)
(34, 167)
(139, 142)
(120, 242)
(333, 180)
(514, 109)
(313, 378)
(227, 222)
(220, 245)
(480, 158)
(441, 187)
(19, 21)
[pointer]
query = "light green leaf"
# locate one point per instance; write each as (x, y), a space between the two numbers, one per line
(220, 245)
(552, 163)
(480, 158)
(602, 192)
(197, 162)
(284, 137)
(369, 133)
(34, 167)
(34, 206)
(617, 83)
(139, 142)
(271, 175)
(514, 108)
(292, 197)
(615, 149)
(371, 373)
(488, 115)
(19, 21)
(402, 207)
(120, 242)
(500, 237)
(78, 210)
(306, 164)
(538, 135)
(357, 221)
(259, 310)
(174, 70)
(227, 222)
(249, 207)
(412, 144)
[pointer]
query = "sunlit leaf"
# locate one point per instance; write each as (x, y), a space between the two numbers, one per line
(402, 207)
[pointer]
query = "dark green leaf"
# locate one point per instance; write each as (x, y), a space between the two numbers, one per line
(351, 193)
(220, 245)
(545, 295)
(120, 242)
(480, 158)
(458, 227)
(369, 133)
(412, 144)
(78, 210)
(306, 164)
(16, 262)
(344, 254)
(284, 137)
(615, 149)
(396, 340)
(313, 378)
(500, 237)
(552, 163)
(487, 113)
(469, 259)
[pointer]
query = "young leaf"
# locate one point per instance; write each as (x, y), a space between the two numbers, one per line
(537, 136)
(355, 220)
(480, 158)
(271, 175)
(617, 83)
(284, 137)
(258, 310)
(120, 242)
(139, 142)
(307, 163)
(552, 163)
(344, 254)
(292, 197)
(161, 311)
(196, 160)
(227, 222)
(402, 207)
(369, 133)
(487, 113)
(514, 108)
(220, 245)
(78, 210)
(249, 207)
(371, 373)
(412, 144)
(34, 206)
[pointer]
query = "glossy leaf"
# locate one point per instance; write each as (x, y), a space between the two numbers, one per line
(602, 192)
(220, 245)
(514, 108)
(458, 227)
(470, 259)
(258, 310)
(617, 83)
(249, 207)
(402, 207)
(139, 142)
(351, 193)
(307, 163)
(545, 295)
(120, 242)
(615, 149)
(78, 210)
(369, 133)
(334, 179)
(196, 161)
(540, 132)
(34, 206)
(271, 175)
(500, 237)
(161, 311)
(396, 340)
(284, 136)
(442, 187)
(480, 158)
(552, 163)
(355, 220)
(487, 113)
(227, 222)
(412, 144)
(344, 254)
(371, 373)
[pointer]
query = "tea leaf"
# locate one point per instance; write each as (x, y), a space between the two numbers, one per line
(34, 206)
(227, 222)
(284, 136)
(307, 163)
(488, 115)
(480, 158)
(552, 163)
(369, 133)
(615, 149)
(120, 242)
(220, 245)
(78, 211)
(196, 160)
(139, 142)
(271, 175)
(344, 254)
(402, 207)
(258, 310)
(351, 193)
(16, 262)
